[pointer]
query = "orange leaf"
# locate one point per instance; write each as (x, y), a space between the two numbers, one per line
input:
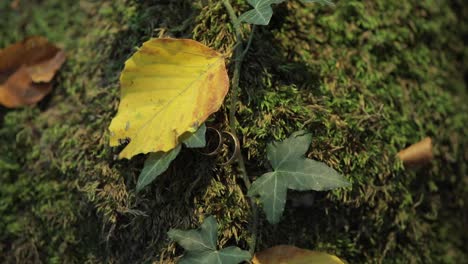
(418, 153)
(285, 254)
(26, 69)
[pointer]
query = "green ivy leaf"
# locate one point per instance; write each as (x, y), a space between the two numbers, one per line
(8, 165)
(262, 12)
(323, 2)
(292, 171)
(200, 245)
(197, 139)
(157, 163)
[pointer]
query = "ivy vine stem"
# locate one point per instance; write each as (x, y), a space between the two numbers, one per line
(239, 54)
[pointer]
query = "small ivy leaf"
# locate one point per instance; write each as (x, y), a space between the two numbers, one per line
(201, 239)
(155, 165)
(233, 255)
(229, 255)
(323, 2)
(292, 148)
(292, 171)
(8, 165)
(262, 12)
(200, 245)
(272, 191)
(197, 139)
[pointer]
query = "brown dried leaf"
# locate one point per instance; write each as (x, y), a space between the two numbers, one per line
(15, 4)
(417, 154)
(26, 69)
(284, 254)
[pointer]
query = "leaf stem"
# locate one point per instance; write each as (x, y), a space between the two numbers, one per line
(239, 54)
(248, 43)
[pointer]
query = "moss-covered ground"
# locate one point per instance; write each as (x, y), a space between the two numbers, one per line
(366, 78)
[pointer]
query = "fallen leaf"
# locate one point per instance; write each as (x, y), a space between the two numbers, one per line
(418, 153)
(284, 254)
(15, 4)
(200, 245)
(26, 70)
(292, 171)
(168, 87)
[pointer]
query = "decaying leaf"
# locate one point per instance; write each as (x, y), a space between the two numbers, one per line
(26, 70)
(292, 171)
(200, 245)
(418, 153)
(284, 254)
(168, 87)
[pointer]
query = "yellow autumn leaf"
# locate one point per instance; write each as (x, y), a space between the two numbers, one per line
(284, 254)
(168, 87)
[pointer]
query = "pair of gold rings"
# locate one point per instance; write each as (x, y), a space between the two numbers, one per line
(215, 145)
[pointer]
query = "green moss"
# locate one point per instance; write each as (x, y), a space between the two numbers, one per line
(367, 78)
(381, 77)
(54, 153)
